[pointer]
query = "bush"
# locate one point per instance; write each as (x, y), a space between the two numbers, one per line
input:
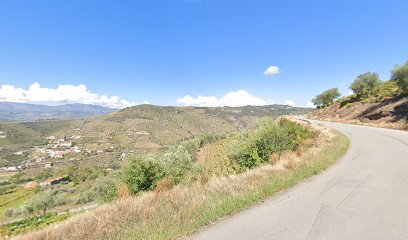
(400, 77)
(295, 131)
(19, 178)
(209, 138)
(143, 174)
(43, 175)
(84, 197)
(104, 189)
(79, 174)
(177, 162)
(194, 144)
(255, 147)
(389, 89)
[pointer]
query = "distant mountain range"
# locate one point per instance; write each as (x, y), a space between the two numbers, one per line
(33, 112)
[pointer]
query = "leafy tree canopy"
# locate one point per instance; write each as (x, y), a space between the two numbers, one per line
(366, 85)
(326, 98)
(400, 77)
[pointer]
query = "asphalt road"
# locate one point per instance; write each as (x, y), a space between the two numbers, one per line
(363, 196)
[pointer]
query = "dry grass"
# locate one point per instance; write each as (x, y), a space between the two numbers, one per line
(182, 209)
(123, 191)
(164, 185)
(393, 114)
(291, 160)
(274, 158)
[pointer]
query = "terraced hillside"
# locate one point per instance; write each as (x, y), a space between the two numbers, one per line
(142, 128)
(147, 127)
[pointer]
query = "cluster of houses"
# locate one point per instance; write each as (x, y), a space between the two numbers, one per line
(47, 182)
(11, 169)
(55, 148)
(3, 134)
(55, 143)
(41, 152)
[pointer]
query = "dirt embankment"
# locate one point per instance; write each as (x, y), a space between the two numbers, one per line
(388, 113)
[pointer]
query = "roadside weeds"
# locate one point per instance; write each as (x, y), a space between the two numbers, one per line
(183, 209)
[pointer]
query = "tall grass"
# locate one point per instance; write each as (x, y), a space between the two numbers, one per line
(184, 208)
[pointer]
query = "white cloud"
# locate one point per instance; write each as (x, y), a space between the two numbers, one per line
(272, 70)
(290, 103)
(62, 94)
(310, 105)
(232, 99)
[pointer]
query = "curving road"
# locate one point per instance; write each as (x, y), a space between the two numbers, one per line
(363, 196)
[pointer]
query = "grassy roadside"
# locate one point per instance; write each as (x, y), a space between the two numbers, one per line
(223, 203)
(184, 209)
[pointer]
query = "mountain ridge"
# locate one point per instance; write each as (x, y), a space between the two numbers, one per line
(32, 112)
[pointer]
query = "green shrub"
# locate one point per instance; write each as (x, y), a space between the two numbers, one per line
(104, 189)
(43, 175)
(19, 178)
(43, 201)
(400, 77)
(176, 163)
(79, 174)
(84, 197)
(193, 145)
(255, 147)
(296, 132)
(209, 138)
(143, 174)
(389, 89)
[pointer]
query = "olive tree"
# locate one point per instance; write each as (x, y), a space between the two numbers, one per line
(41, 202)
(366, 85)
(326, 98)
(143, 174)
(400, 77)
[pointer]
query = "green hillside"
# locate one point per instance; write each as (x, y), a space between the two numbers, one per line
(142, 128)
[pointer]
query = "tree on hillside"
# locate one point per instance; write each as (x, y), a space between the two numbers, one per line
(366, 85)
(143, 174)
(326, 98)
(400, 76)
(41, 202)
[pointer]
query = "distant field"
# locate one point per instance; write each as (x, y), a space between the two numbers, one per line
(14, 199)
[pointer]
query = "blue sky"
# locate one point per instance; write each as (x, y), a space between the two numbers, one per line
(161, 51)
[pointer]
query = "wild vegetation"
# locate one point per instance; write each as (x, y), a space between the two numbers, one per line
(368, 86)
(172, 210)
(373, 102)
(215, 160)
(255, 147)
(108, 167)
(326, 98)
(165, 169)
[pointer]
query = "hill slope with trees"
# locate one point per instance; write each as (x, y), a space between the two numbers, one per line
(374, 102)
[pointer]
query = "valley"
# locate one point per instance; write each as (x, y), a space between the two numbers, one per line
(71, 158)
